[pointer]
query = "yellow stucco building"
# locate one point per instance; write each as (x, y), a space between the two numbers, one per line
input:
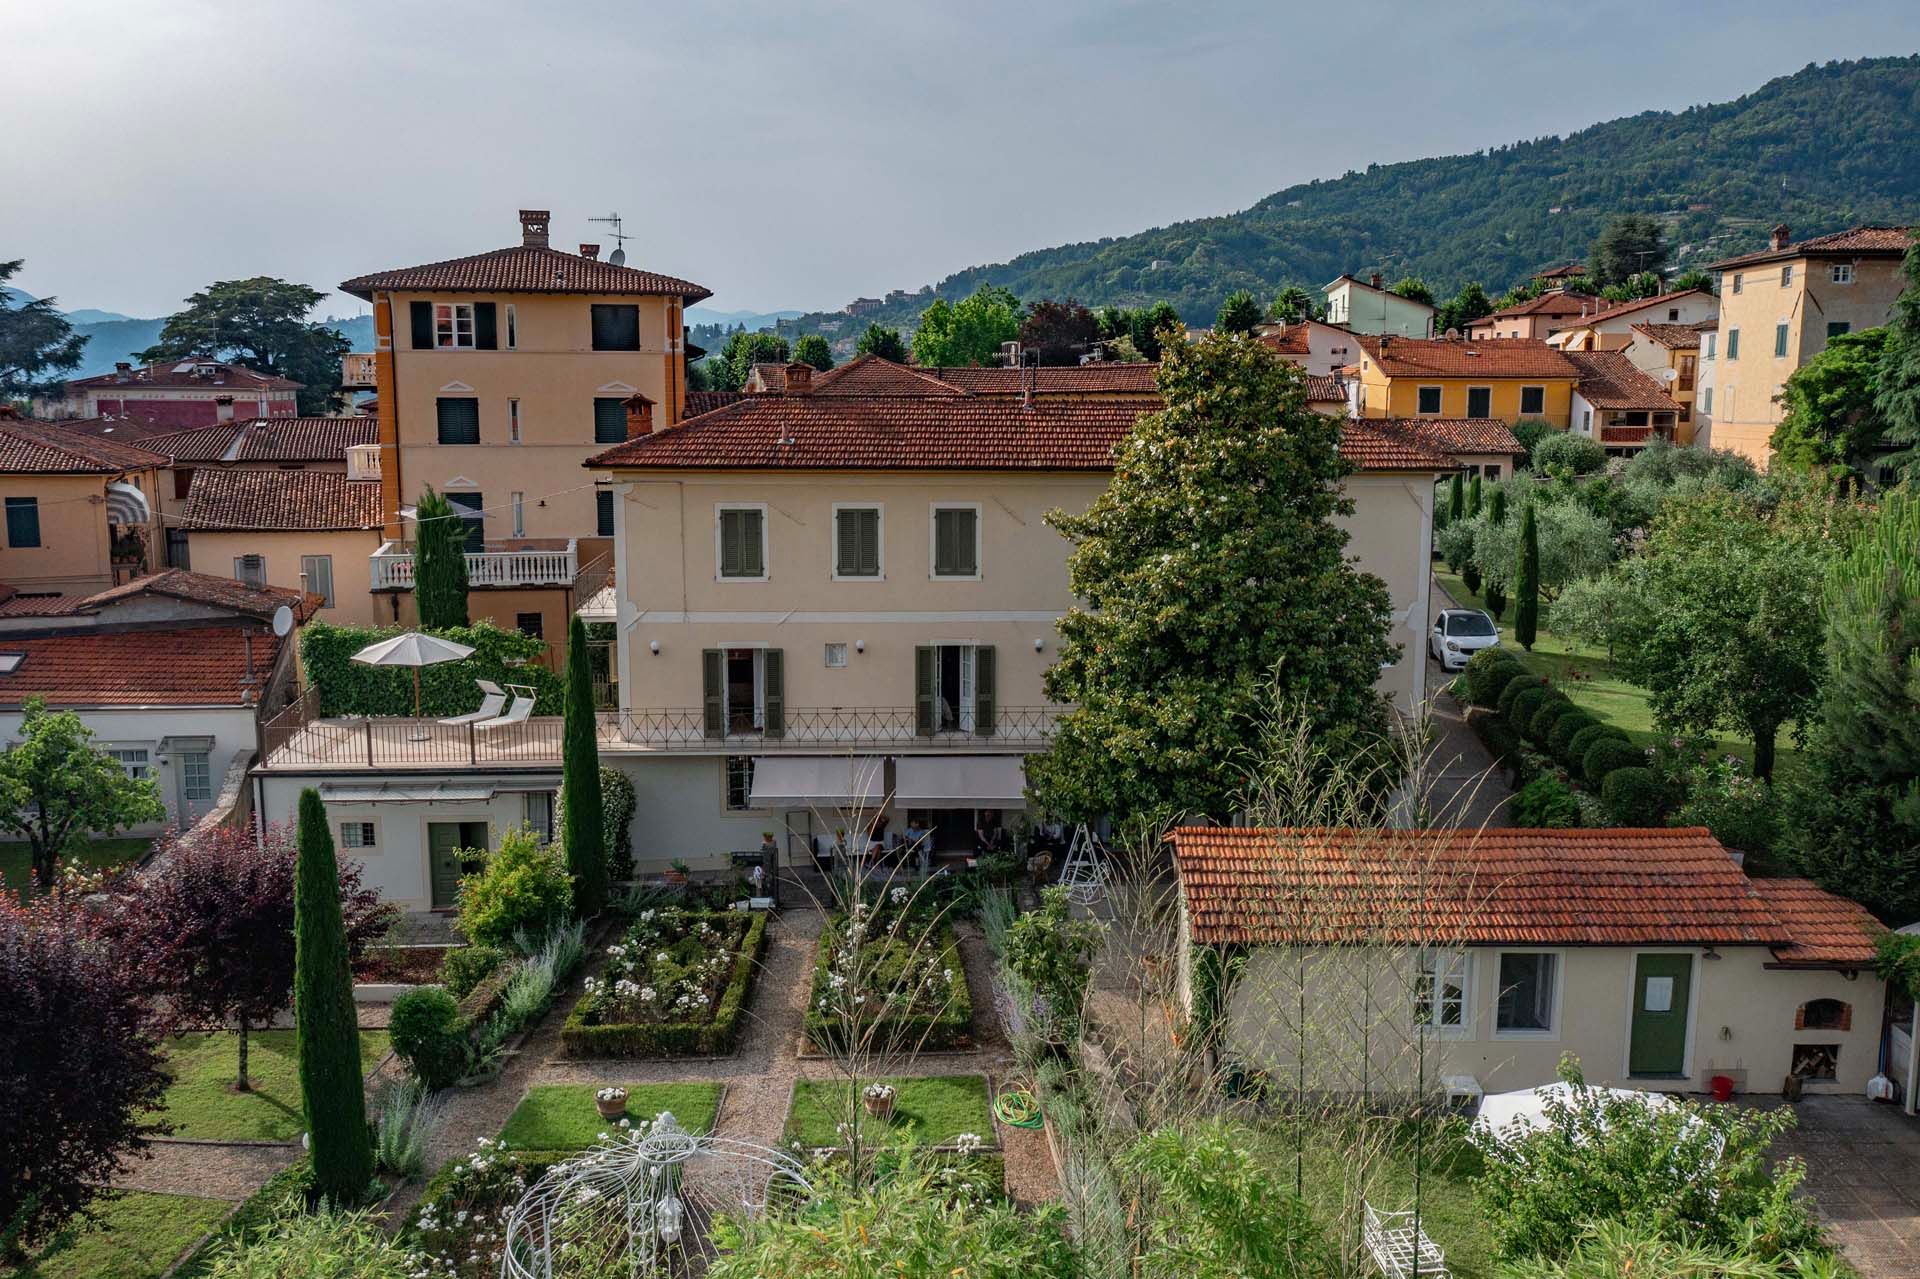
(1505, 378)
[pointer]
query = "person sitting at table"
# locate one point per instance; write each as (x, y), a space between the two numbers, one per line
(986, 831)
(916, 833)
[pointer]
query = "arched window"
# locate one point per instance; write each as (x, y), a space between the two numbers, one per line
(1824, 1014)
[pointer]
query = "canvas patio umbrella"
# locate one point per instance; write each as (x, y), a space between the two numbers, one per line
(412, 649)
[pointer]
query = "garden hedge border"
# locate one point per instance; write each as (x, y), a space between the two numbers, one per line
(717, 1038)
(951, 1028)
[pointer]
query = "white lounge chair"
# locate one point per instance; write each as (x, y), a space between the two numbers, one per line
(490, 703)
(1401, 1248)
(517, 713)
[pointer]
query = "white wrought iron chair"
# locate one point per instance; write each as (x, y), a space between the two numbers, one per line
(518, 713)
(1401, 1248)
(491, 701)
(1084, 876)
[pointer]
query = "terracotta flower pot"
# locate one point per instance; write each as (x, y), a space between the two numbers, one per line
(880, 1105)
(611, 1107)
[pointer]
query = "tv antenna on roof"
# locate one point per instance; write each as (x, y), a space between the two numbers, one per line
(619, 255)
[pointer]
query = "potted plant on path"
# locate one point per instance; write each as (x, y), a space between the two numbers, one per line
(610, 1102)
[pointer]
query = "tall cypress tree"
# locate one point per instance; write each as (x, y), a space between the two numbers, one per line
(327, 1029)
(1473, 497)
(1457, 500)
(1526, 586)
(582, 829)
(440, 563)
(1496, 596)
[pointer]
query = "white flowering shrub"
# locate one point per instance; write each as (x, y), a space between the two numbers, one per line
(671, 966)
(460, 1229)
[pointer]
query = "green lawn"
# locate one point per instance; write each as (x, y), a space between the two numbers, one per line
(16, 863)
(1586, 676)
(138, 1237)
(201, 1103)
(937, 1109)
(562, 1116)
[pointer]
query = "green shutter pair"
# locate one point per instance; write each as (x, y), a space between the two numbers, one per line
(859, 543)
(609, 419)
(740, 544)
(926, 711)
(459, 420)
(773, 684)
(953, 543)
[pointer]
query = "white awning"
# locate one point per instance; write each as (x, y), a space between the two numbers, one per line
(959, 781)
(417, 793)
(842, 781)
(126, 504)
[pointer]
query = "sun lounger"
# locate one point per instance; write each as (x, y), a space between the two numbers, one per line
(517, 713)
(1400, 1246)
(493, 698)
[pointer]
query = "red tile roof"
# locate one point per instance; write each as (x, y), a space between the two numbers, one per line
(1322, 388)
(1567, 272)
(1552, 302)
(869, 375)
(1477, 357)
(1456, 435)
(1619, 310)
(1609, 380)
(699, 402)
(40, 448)
(1371, 447)
(1291, 340)
(1609, 887)
(192, 666)
(263, 501)
(1860, 241)
(305, 439)
(525, 269)
(121, 430)
(1827, 930)
(182, 373)
(1675, 337)
(1113, 378)
(41, 605)
(220, 592)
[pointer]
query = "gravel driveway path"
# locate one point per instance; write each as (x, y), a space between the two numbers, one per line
(207, 1171)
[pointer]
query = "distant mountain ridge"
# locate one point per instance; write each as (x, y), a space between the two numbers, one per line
(1824, 148)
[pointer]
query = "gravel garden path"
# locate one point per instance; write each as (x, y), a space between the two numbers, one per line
(207, 1171)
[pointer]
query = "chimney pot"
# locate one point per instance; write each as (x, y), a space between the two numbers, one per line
(1375, 279)
(591, 252)
(1778, 240)
(799, 378)
(533, 228)
(639, 416)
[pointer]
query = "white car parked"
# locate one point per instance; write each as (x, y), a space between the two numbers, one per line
(1459, 633)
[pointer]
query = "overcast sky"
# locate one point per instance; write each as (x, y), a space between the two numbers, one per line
(784, 154)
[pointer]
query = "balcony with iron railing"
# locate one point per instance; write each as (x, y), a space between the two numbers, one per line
(357, 371)
(549, 562)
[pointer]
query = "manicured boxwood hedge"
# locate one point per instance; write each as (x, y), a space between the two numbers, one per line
(1583, 741)
(1635, 797)
(1511, 693)
(1608, 754)
(349, 688)
(952, 1027)
(1565, 726)
(1488, 673)
(715, 1038)
(1540, 724)
(1524, 707)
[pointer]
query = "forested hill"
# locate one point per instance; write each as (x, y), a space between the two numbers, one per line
(1820, 149)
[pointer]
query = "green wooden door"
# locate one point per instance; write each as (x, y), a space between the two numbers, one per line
(1662, 985)
(444, 842)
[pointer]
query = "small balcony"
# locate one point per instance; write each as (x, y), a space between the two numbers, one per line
(527, 562)
(834, 728)
(357, 371)
(363, 461)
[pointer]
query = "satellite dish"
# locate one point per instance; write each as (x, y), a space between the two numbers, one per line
(282, 621)
(618, 257)
(1666, 374)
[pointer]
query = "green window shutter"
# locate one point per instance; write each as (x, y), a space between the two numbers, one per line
(729, 544)
(870, 543)
(924, 662)
(983, 707)
(711, 671)
(751, 562)
(459, 420)
(422, 313)
(953, 543)
(1733, 344)
(603, 512)
(774, 684)
(486, 326)
(23, 521)
(609, 419)
(1779, 340)
(858, 536)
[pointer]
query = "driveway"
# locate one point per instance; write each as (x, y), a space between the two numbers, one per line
(1468, 788)
(1863, 1171)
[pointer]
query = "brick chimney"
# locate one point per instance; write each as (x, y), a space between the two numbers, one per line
(591, 252)
(1778, 240)
(223, 408)
(533, 228)
(1374, 279)
(799, 378)
(639, 415)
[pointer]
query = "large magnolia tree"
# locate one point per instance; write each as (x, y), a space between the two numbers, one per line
(1209, 568)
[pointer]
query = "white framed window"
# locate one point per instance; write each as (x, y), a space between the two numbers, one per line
(359, 836)
(836, 656)
(1528, 1003)
(513, 411)
(1443, 993)
(519, 503)
(196, 777)
(740, 542)
(738, 796)
(1739, 282)
(1841, 273)
(953, 541)
(136, 760)
(513, 328)
(858, 540)
(1428, 401)
(1708, 342)
(316, 573)
(1786, 276)
(453, 325)
(1706, 399)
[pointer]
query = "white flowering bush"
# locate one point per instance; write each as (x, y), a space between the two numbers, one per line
(675, 983)
(887, 974)
(460, 1229)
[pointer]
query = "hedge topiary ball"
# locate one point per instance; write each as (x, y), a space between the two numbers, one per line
(1608, 755)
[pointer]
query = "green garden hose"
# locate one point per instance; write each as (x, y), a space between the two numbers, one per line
(1016, 1108)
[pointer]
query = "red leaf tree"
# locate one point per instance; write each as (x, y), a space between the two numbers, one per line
(213, 927)
(81, 1068)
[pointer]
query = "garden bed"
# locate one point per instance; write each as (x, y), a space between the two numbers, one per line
(675, 985)
(563, 1117)
(936, 1109)
(400, 965)
(459, 1229)
(202, 1104)
(916, 979)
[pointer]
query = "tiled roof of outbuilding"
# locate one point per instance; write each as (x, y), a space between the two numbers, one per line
(192, 666)
(1322, 388)
(1473, 435)
(221, 592)
(1620, 310)
(525, 269)
(1605, 887)
(263, 501)
(182, 373)
(40, 448)
(1552, 302)
(1609, 380)
(1112, 378)
(1675, 337)
(1827, 930)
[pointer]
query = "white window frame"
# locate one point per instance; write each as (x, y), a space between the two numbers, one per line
(1706, 399)
(1786, 276)
(727, 763)
(1710, 342)
(518, 501)
(1439, 393)
(1451, 961)
(1555, 1017)
(969, 686)
(1739, 282)
(880, 535)
(513, 421)
(759, 718)
(1841, 273)
(371, 830)
(766, 560)
(203, 793)
(835, 655)
(454, 321)
(979, 541)
(140, 769)
(306, 575)
(513, 328)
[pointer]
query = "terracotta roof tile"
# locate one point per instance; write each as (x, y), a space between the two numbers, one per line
(1291, 340)
(1619, 310)
(1874, 241)
(1675, 337)
(41, 605)
(305, 439)
(1371, 445)
(1324, 387)
(232, 498)
(525, 269)
(203, 588)
(1609, 380)
(1477, 357)
(699, 402)
(192, 666)
(1617, 887)
(1826, 930)
(1110, 378)
(1456, 435)
(1552, 302)
(1567, 272)
(40, 448)
(182, 373)
(121, 430)
(870, 375)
